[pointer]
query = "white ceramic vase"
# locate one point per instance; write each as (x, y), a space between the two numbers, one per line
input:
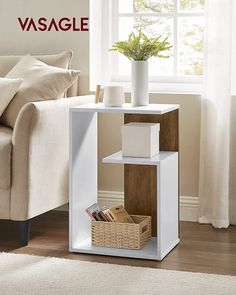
(139, 91)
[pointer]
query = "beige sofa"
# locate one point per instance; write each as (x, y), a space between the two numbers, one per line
(34, 156)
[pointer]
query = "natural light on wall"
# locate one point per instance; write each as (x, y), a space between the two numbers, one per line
(182, 21)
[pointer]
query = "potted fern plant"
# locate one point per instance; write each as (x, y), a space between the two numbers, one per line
(139, 48)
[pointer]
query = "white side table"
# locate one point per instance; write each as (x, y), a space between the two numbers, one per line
(156, 194)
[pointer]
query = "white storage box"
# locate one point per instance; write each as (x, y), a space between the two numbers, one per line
(140, 139)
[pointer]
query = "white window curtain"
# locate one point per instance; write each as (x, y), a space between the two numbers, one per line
(217, 184)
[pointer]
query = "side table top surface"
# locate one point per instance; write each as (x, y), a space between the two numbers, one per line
(127, 108)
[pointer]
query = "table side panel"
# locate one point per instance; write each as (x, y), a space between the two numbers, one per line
(83, 173)
(167, 212)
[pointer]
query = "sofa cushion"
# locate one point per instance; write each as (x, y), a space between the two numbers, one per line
(60, 60)
(5, 157)
(41, 82)
(8, 88)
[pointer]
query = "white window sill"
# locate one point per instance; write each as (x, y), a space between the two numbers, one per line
(162, 88)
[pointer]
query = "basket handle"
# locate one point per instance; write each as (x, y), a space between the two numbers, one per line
(144, 228)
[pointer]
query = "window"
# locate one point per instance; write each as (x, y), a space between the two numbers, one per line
(181, 20)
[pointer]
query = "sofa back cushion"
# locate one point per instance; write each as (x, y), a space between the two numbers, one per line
(60, 60)
(40, 82)
(8, 88)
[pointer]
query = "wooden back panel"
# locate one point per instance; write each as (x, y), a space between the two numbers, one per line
(141, 180)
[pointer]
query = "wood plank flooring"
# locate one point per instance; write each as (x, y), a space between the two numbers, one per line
(202, 248)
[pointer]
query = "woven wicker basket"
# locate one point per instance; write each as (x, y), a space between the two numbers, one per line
(122, 235)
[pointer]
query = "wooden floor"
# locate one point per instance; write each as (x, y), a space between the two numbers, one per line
(202, 248)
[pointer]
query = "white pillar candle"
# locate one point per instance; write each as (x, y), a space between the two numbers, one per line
(113, 96)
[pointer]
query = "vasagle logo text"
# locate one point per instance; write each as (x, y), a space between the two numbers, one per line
(63, 24)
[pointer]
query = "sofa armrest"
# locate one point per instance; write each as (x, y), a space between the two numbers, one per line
(40, 157)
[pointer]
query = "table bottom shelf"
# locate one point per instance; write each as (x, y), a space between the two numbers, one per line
(148, 252)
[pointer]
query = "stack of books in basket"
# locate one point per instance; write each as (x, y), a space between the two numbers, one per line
(114, 214)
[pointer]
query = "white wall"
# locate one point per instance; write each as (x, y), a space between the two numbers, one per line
(14, 41)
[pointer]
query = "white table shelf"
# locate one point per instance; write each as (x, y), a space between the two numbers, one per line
(117, 158)
(148, 252)
(155, 109)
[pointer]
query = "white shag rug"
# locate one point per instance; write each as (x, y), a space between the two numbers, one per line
(25, 274)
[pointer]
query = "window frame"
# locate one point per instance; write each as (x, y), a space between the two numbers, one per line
(108, 24)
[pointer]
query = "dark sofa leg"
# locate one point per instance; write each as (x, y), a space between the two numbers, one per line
(24, 227)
